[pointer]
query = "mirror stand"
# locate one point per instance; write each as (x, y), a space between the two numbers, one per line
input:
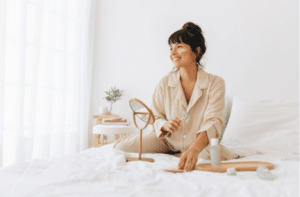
(136, 105)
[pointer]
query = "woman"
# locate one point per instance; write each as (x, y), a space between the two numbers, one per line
(188, 88)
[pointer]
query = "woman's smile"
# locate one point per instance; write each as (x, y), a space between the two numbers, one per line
(175, 59)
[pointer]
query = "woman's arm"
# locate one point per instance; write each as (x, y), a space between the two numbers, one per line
(189, 158)
(211, 126)
(162, 126)
(158, 109)
(201, 142)
(213, 115)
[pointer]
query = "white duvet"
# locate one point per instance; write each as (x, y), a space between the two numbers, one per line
(104, 172)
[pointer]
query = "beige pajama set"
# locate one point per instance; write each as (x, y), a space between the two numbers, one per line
(205, 109)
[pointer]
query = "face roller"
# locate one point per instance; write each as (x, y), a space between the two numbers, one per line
(186, 117)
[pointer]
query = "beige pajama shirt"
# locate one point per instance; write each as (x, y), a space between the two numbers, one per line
(205, 109)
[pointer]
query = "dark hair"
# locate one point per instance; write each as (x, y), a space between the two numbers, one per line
(190, 34)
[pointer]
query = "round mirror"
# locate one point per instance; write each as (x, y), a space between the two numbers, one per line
(141, 110)
(145, 114)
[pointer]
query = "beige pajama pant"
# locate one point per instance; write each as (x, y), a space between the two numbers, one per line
(152, 144)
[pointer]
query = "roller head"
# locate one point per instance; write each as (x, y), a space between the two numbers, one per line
(186, 116)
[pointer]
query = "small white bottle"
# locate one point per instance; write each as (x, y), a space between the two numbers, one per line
(215, 155)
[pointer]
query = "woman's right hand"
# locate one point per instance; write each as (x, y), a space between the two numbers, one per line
(172, 125)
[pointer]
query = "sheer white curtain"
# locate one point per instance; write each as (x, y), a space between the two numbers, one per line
(46, 56)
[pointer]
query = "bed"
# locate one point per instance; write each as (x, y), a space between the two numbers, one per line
(103, 171)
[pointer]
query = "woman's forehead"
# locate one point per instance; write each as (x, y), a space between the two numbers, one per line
(176, 43)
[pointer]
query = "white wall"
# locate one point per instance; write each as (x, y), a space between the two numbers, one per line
(253, 45)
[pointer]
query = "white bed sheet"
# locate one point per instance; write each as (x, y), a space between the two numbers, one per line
(104, 172)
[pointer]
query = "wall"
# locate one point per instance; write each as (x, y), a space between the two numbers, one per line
(253, 45)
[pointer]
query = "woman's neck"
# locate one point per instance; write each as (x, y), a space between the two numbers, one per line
(188, 74)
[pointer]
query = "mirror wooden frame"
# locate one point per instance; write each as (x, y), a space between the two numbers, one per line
(141, 129)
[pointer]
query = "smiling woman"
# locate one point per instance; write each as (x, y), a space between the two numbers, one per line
(189, 89)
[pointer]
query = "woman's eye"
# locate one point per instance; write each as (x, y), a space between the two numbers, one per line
(171, 49)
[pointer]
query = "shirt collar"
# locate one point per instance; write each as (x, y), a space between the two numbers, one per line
(202, 79)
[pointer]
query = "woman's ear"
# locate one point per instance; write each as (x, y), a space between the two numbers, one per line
(198, 50)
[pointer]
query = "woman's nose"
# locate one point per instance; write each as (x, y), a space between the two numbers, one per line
(174, 51)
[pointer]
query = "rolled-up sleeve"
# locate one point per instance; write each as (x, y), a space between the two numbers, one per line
(213, 115)
(158, 109)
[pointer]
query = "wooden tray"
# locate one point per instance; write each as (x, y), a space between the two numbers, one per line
(174, 171)
(239, 166)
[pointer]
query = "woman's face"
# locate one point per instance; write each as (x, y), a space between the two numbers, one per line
(182, 55)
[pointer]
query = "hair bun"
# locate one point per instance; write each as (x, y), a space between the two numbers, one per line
(192, 27)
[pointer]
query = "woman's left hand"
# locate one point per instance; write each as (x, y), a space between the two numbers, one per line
(188, 160)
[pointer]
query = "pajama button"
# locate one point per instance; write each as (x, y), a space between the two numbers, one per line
(184, 136)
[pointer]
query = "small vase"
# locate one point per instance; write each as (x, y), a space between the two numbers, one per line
(111, 108)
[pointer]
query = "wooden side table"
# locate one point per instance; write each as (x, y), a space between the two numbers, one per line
(116, 130)
(96, 137)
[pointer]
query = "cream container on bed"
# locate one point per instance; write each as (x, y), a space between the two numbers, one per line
(215, 155)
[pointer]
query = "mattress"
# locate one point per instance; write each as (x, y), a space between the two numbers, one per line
(103, 171)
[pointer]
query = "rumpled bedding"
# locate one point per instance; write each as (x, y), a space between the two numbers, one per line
(104, 172)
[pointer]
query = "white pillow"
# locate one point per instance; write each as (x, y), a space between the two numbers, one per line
(263, 127)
